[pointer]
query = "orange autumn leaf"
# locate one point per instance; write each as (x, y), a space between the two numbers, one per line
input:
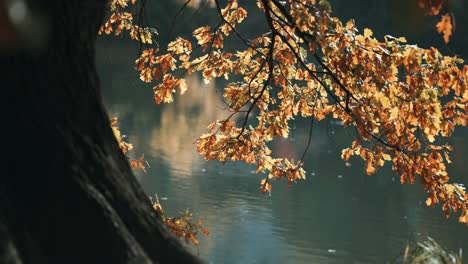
(445, 27)
(114, 121)
(141, 163)
(124, 146)
(370, 169)
(265, 186)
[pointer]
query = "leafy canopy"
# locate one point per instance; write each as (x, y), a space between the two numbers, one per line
(403, 101)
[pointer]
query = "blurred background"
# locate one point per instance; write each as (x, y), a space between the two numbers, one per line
(338, 215)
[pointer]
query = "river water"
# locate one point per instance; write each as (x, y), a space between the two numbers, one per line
(338, 215)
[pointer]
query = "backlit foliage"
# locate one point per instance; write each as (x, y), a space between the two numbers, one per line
(403, 101)
(141, 163)
(183, 226)
(446, 25)
(120, 21)
(124, 146)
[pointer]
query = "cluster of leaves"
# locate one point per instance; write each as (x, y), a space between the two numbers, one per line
(125, 147)
(183, 226)
(446, 25)
(120, 21)
(404, 101)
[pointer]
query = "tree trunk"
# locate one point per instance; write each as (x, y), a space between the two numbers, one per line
(70, 196)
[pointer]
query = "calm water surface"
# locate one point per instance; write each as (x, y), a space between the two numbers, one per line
(338, 215)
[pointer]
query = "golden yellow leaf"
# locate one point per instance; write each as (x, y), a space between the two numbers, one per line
(182, 86)
(429, 201)
(368, 33)
(386, 157)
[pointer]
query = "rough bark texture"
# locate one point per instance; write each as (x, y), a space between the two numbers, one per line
(69, 195)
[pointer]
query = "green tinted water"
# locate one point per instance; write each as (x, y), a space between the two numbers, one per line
(338, 215)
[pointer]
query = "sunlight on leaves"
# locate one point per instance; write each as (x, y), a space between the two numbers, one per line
(403, 101)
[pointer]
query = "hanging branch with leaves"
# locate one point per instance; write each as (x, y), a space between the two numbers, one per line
(404, 101)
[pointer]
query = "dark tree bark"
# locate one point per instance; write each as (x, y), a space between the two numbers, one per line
(69, 195)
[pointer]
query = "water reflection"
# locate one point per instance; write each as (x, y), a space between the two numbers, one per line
(182, 122)
(338, 215)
